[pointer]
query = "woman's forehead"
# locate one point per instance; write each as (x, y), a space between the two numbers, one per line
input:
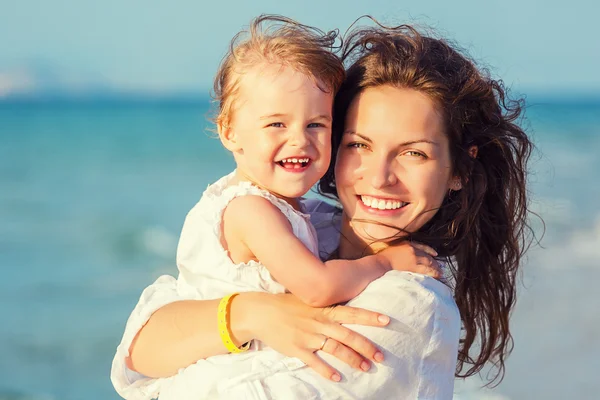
(391, 113)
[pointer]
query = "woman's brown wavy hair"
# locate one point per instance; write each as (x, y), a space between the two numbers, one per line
(482, 229)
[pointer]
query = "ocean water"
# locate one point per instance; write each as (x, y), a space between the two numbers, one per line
(93, 195)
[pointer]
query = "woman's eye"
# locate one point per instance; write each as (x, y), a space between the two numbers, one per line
(276, 125)
(413, 153)
(357, 145)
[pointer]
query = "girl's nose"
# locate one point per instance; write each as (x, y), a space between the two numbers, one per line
(299, 138)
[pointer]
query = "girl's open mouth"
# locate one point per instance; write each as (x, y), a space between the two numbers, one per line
(295, 164)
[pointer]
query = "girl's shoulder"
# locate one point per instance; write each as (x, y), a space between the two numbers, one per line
(219, 194)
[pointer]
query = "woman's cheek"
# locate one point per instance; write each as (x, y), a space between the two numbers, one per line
(342, 168)
(436, 190)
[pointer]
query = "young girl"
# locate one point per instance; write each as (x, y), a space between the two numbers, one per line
(248, 232)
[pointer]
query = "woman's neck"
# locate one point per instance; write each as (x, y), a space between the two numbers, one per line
(352, 245)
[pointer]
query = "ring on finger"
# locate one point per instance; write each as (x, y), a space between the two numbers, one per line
(324, 342)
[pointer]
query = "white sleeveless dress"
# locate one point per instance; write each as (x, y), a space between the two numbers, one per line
(202, 261)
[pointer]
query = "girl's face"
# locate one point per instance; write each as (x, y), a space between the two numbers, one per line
(393, 165)
(280, 131)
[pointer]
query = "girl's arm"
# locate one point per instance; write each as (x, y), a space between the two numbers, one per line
(268, 236)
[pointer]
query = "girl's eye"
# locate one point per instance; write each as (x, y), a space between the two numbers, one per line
(357, 145)
(316, 125)
(276, 125)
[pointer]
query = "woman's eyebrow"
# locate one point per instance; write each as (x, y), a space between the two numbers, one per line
(323, 116)
(403, 144)
(418, 141)
(366, 139)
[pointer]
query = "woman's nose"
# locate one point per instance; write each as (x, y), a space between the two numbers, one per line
(382, 175)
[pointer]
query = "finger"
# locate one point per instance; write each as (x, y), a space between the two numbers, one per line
(425, 248)
(346, 354)
(321, 367)
(428, 266)
(347, 345)
(358, 316)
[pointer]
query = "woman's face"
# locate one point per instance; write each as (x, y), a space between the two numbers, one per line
(393, 164)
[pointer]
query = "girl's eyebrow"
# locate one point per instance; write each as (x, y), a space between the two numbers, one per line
(368, 140)
(280, 115)
(276, 115)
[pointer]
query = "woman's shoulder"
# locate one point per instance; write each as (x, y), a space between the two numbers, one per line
(417, 296)
(325, 218)
(431, 292)
(421, 341)
(318, 206)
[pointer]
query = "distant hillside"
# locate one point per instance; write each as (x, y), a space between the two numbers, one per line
(38, 79)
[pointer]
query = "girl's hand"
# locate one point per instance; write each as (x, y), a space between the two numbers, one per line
(413, 257)
(297, 330)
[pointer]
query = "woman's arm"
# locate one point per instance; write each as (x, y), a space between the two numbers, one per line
(185, 331)
(420, 346)
(171, 328)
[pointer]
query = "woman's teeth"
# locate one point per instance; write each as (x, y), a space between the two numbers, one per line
(380, 204)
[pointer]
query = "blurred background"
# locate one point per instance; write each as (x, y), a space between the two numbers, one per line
(104, 147)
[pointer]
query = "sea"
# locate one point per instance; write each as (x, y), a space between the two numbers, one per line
(93, 195)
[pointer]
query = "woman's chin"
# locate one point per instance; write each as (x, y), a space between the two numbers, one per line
(373, 232)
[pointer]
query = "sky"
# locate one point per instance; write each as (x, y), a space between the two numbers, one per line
(163, 47)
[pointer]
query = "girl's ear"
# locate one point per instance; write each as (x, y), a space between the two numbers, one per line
(228, 137)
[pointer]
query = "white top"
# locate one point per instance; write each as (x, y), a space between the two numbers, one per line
(420, 345)
(203, 262)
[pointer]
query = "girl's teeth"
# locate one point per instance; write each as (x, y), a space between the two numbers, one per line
(295, 160)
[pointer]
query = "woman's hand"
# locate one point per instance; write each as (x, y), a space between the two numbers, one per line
(297, 330)
(413, 257)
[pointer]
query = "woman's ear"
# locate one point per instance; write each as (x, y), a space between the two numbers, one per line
(473, 150)
(455, 184)
(228, 137)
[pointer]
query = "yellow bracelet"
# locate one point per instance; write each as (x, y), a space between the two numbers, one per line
(223, 318)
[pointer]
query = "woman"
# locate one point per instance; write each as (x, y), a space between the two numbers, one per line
(416, 122)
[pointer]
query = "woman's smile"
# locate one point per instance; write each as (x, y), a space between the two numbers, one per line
(381, 205)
